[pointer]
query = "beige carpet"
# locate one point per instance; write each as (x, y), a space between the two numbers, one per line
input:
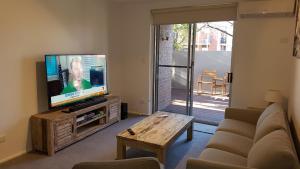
(102, 146)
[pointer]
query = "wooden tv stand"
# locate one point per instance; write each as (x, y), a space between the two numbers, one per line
(54, 130)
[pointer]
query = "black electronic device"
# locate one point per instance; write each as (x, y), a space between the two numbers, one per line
(85, 104)
(131, 132)
(124, 111)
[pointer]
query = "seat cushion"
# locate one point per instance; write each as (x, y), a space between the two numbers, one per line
(274, 151)
(275, 107)
(237, 127)
(211, 154)
(272, 122)
(230, 142)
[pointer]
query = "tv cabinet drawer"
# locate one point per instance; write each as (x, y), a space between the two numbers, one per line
(63, 132)
(64, 126)
(61, 143)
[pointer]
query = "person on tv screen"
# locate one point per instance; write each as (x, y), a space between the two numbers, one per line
(76, 82)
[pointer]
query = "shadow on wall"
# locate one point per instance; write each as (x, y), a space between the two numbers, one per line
(41, 84)
(41, 91)
(28, 95)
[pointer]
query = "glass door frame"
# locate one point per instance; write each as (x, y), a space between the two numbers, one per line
(189, 67)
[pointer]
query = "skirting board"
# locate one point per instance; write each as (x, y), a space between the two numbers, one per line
(12, 156)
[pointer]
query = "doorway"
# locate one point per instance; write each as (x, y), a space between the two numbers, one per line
(192, 69)
(212, 71)
(172, 73)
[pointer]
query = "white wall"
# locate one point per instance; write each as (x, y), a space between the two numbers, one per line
(262, 58)
(28, 30)
(261, 55)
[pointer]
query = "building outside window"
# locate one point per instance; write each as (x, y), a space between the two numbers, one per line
(213, 36)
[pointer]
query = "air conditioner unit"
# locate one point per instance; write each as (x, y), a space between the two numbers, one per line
(267, 8)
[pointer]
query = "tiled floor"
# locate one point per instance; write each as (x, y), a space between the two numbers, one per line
(206, 108)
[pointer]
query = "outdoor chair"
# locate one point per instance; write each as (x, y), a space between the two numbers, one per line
(206, 78)
(220, 83)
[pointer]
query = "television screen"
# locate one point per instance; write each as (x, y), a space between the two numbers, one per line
(72, 78)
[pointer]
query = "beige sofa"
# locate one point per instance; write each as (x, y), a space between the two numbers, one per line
(246, 139)
(250, 139)
(137, 163)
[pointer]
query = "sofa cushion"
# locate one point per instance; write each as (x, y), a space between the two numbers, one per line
(272, 122)
(275, 107)
(237, 127)
(230, 142)
(274, 151)
(215, 155)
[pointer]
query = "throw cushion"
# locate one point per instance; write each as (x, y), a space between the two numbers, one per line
(272, 122)
(216, 155)
(275, 107)
(237, 127)
(274, 151)
(231, 142)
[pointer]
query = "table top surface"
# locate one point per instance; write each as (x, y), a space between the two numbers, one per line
(158, 129)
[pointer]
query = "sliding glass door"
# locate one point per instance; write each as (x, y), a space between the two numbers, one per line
(173, 68)
(212, 71)
(192, 66)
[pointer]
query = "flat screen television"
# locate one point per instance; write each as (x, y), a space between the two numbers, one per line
(75, 78)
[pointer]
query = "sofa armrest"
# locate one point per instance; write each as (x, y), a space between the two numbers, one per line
(246, 115)
(138, 163)
(203, 164)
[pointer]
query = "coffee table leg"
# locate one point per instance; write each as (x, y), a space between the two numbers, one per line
(190, 133)
(161, 155)
(121, 150)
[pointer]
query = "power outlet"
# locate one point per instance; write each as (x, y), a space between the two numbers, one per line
(2, 139)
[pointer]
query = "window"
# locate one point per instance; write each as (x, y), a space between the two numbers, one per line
(223, 47)
(204, 47)
(223, 39)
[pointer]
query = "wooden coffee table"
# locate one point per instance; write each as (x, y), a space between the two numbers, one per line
(155, 133)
